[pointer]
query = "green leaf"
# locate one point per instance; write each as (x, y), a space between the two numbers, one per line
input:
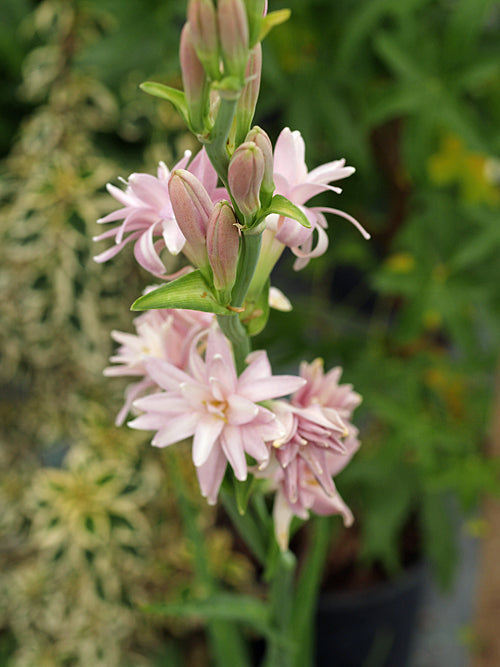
(219, 606)
(190, 291)
(176, 97)
(256, 313)
(283, 206)
(242, 491)
(439, 537)
(271, 20)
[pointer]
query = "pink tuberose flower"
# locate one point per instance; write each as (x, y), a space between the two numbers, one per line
(218, 408)
(161, 334)
(147, 214)
(296, 183)
(318, 443)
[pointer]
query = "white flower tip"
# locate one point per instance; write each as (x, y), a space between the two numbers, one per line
(279, 301)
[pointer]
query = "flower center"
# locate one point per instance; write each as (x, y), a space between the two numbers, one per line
(217, 408)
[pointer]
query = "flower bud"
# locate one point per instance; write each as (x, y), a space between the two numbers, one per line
(192, 207)
(261, 139)
(233, 36)
(203, 25)
(256, 9)
(223, 242)
(245, 174)
(250, 93)
(194, 80)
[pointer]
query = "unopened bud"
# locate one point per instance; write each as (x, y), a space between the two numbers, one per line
(233, 35)
(192, 207)
(245, 174)
(203, 24)
(256, 9)
(223, 242)
(250, 93)
(261, 139)
(194, 80)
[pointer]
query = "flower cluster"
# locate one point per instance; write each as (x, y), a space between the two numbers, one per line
(193, 391)
(230, 212)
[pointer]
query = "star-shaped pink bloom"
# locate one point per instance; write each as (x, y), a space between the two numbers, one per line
(147, 214)
(215, 406)
(296, 183)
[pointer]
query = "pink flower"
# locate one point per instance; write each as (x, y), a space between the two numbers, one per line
(161, 334)
(296, 183)
(318, 443)
(218, 408)
(147, 213)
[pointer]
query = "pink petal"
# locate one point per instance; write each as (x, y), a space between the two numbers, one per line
(145, 253)
(258, 368)
(272, 387)
(149, 190)
(173, 237)
(289, 156)
(240, 410)
(114, 250)
(165, 374)
(232, 446)
(348, 217)
(131, 393)
(208, 430)
(211, 474)
(254, 445)
(175, 429)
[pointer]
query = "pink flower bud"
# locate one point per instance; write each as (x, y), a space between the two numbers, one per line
(223, 242)
(250, 93)
(261, 139)
(233, 35)
(192, 207)
(203, 24)
(194, 80)
(245, 174)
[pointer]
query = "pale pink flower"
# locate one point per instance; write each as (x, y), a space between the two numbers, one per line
(161, 334)
(218, 408)
(147, 214)
(296, 183)
(319, 441)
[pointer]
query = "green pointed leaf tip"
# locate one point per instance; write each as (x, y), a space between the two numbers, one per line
(172, 95)
(271, 20)
(187, 292)
(282, 206)
(242, 492)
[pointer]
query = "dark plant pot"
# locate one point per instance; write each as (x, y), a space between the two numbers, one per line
(370, 628)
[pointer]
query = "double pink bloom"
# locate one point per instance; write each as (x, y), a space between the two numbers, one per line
(220, 410)
(318, 443)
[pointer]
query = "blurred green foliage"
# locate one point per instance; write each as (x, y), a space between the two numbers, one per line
(409, 93)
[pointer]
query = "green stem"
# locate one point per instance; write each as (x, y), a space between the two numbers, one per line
(234, 330)
(225, 639)
(216, 146)
(246, 526)
(230, 324)
(281, 653)
(306, 593)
